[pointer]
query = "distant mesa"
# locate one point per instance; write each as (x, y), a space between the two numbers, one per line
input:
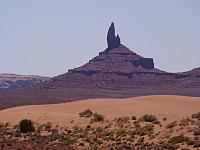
(14, 81)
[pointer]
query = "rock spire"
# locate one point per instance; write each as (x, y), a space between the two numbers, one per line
(112, 40)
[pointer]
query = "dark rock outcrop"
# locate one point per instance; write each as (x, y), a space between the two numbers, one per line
(112, 40)
(144, 62)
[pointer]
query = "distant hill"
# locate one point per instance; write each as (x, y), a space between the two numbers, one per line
(13, 81)
(195, 71)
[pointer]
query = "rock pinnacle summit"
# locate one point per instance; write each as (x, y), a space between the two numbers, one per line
(112, 40)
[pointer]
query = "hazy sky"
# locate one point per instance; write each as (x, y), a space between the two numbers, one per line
(48, 37)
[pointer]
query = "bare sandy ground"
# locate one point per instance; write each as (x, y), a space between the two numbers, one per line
(171, 107)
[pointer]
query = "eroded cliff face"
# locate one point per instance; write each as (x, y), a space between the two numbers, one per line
(119, 59)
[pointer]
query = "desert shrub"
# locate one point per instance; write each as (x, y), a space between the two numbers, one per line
(147, 129)
(122, 120)
(9, 144)
(88, 126)
(44, 127)
(17, 133)
(26, 125)
(197, 132)
(107, 133)
(48, 127)
(184, 122)
(171, 125)
(98, 117)
(196, 116)
(87, 113)
(136, 123)
(178, 139)
(2, 146)
(197, 138)
(149, 118)
(196, 144)
(133, 118)
(121, 132)
(164, 119)
(170, 146)
(81, 144)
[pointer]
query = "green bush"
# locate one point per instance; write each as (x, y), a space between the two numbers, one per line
(26, 125)
(196, 144)
(48, 126)
(98, 117)
(133, 118)
(197, 132)
(147, 129)
(136, 123)
(164, 118)
(178, 139)
(196, 116)
(150, 118)
(87, 113)
(171, 125)
(122, 120)
(121, 132)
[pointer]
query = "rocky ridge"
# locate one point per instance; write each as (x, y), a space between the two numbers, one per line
(13, 81)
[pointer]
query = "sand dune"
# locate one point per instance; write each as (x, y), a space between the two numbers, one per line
(172, 107)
